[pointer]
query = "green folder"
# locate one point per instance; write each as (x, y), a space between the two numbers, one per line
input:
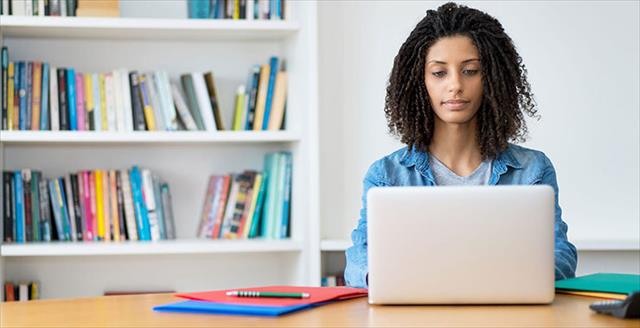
(602, 282)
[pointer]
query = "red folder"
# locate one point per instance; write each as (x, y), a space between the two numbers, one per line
(316, 295)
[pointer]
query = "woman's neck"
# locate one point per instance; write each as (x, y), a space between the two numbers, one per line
(456, 146)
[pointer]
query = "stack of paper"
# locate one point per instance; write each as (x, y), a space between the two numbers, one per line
(217, 302)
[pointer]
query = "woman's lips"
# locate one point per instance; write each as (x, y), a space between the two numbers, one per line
(455, 105)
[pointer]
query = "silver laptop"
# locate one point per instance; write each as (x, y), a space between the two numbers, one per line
(461, 245)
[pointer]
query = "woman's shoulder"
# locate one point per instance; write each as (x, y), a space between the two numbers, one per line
(389, 164)
(524, 157)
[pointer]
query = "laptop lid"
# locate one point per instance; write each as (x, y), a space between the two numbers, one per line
(461, 245)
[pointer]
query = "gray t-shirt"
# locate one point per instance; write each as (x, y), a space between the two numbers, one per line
(445, 177)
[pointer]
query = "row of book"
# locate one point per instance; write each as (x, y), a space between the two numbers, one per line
(38, 96)
(237, 9)
(39, 7)
(249, 204)
(23, 291)
(332, 280)
(87, 205)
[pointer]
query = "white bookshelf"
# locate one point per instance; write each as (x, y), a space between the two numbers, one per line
(163, 247)
(184, 159)
(186, 137)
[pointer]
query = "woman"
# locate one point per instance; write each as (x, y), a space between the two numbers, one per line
(457, 95)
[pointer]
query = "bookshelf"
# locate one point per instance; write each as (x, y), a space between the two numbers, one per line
(184, 159)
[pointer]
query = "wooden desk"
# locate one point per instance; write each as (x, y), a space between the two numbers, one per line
(136, 311)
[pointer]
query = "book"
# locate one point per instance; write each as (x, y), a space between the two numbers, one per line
(11, 112)
(4, 80)
(617, 283)
(182, 108)
(126, 100)
(273, 70)
(136, 102)
(252, 92)
(150, 203)
(100, 233)
(132, 231)
(92, 223)
(256, 222)
(203, 100)
(229, 210)
(36, 220)
(213, 99)
(120, 207)
(244, 182)
(206, 207)
(166, 99)
(28, 77)
(36, 100)
(262, 97)
(239, 110)
(279, 100)
(167, 208)
(110, 102)
(255, 194)
(155, 179)
(113, 200)
(286, 202)
(70, 207)
(212, 211)
(98, 8)
(80, 108)
(44, 104)
(142, 220)
(106, 206)
(224, 194)
(7, 210)
(154, 98)
(28, 223)
(71, 101)
(191, 98)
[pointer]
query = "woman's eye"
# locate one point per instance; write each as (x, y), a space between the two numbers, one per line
(470, 72)
(438, 74)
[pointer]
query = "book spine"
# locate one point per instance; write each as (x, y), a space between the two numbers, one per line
(262, 96)
(29, 95)
(114, 205)
(80, 92)
(231, 203)
(249, 200)
(77, 212)
(150, 203)
(254, 230)
(45, 209)
(35, 205)
(183, 110)
(44, 106)
(54, 101)
(55, 205)
(97, 102)
(36, 99)
(167, 209)
(126, 99)
(120, 207)
(99, 205)
(189, 90)
(215, 205)
(252, 208)
(221, 207)
(71, 101)
(11, 82)
(203, 100)
(88, 215)
(70, 209)
(88, 102)
(158, 201)
(22, 95)
(206, 207)
(279, 102)
(81, 208)
(104, 115)
(92, 225)
(26, 187)
(106, 205)
(110, 102)
(140, 209)
(66, 221)
(63, 111)
(171, 120)
(129, 209)
(213, 99)
(136, 101)
(4, 67)
(286, 203)
(273, 70)
(146, 104)
(253, 93)
(118, 104)
(7, 182)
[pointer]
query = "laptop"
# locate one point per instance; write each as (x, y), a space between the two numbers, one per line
(461, 245)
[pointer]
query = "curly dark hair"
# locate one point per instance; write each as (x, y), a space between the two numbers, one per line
(506, 92)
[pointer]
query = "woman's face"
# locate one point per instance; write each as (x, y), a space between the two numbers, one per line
(453, 78)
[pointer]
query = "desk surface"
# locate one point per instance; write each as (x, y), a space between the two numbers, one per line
(137, 311)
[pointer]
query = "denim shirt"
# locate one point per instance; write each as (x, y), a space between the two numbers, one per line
(515, 166)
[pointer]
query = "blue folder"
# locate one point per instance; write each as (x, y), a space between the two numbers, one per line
(234, 309)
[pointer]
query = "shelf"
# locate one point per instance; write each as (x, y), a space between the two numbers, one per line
(144, 28)
(190, 246)
(186, 137)
(334, 245)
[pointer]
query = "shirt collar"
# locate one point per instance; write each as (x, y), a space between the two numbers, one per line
(413, 157)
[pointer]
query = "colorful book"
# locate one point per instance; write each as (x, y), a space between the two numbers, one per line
(217, 226)
(4, 68)
(36, 99)
(129, 209)
(80, 110)
(106, 205)
(167, 209)
(44, 105)
(71, 101)
(54, 103)
(262, 97)
(273, 70)
(26, 187)
(7, 213)
(99, 205)
(10, 97)
(204, 101)
(139, 205)
(276, 119)
(206, 207)
(213, 99)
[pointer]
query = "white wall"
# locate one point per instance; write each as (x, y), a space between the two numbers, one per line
(583, 63)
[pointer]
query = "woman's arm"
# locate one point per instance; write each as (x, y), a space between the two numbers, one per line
(355, 274)
(566, 256)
